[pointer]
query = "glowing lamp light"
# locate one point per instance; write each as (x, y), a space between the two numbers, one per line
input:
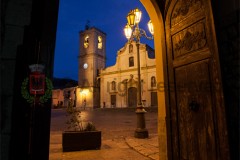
(84, 91)
(131, 18)
(138, 15)
(133, 32)
(128, 31)
(150, 27)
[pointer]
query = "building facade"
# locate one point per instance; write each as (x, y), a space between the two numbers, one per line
(113, 86)
(118, 83)
(57, 98)
(62, 97)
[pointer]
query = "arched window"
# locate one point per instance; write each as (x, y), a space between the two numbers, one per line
(131, 61)
(130, 48)
(113, 85)
(86, 42)
(99, 42)
(153, 81)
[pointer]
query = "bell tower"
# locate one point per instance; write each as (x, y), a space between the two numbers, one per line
(91, 59)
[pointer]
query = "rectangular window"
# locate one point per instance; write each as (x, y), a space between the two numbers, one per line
(131, 61)
(130, 48)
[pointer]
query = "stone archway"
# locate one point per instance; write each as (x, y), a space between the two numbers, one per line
(192, 20)
(152, 7)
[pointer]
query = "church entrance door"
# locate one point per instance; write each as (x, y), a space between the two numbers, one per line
(193, 76)
(154, 99)
(132, 97)
(113, 100)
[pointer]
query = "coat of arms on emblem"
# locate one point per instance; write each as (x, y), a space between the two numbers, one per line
(37, 79)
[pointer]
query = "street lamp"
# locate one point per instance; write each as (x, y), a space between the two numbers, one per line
(133, 32)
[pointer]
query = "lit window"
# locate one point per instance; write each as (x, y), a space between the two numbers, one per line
(99, 42)
(86, 41)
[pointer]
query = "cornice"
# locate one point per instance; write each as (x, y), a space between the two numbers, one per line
(91, 55)
(127, 70)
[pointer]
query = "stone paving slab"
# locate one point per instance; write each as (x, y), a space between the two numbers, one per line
(111, 149)
(118, 143)
(147, 147)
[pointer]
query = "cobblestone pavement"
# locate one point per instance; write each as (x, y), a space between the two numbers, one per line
(118, 143)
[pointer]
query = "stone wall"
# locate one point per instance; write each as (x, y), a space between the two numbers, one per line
(15, 15)
(24, 24)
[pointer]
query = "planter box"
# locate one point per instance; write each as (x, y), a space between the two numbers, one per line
(76, 141)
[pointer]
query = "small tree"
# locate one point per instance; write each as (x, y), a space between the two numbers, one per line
(74, 121)
(74, 118)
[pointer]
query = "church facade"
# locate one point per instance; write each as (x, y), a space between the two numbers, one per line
(113, 86)
(118, 83)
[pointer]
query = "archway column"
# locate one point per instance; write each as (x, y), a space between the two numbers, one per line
(160, 52)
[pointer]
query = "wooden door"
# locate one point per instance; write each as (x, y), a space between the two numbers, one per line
(132, 97)
(154, 101)
(113, 100)
(196, 135)
(193, 80)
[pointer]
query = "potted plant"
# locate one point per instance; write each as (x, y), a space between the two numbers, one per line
(79, 136)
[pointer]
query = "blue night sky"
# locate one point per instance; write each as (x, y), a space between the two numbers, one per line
(107, 15)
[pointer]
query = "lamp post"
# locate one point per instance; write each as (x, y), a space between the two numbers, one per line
(133, 32)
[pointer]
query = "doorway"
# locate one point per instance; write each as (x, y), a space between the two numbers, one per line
(132, 97)
(113, 101)
(154, 99)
